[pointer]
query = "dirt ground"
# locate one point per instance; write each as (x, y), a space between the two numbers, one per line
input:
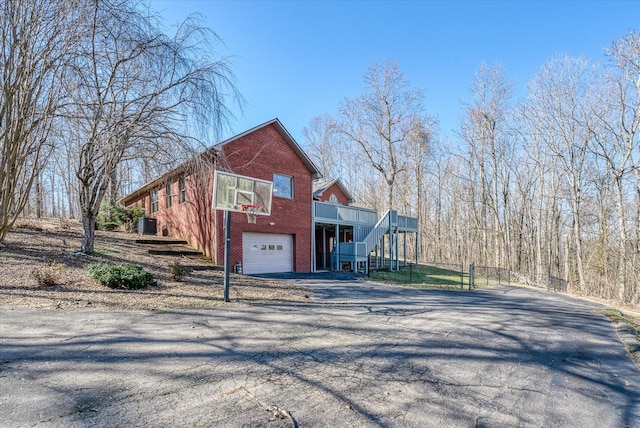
(49, 247)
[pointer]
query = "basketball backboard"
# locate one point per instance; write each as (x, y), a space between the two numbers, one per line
(233, 192)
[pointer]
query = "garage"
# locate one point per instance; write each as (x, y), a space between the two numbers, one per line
(266, 253)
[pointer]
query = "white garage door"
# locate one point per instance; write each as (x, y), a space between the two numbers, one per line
(266, 253)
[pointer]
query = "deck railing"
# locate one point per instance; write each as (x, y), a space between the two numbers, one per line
(333, 213)
(408, 223)
(341, 213)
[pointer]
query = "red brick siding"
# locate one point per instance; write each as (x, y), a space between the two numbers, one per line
(190, 220)
(260, 155)
(193, 219)
(334, 189)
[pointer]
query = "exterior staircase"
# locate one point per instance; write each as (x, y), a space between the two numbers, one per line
(367, 232)
(385, 225)
(360, 251)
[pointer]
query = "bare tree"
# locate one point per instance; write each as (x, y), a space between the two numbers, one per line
(36, 41)
(134, 89)
(324, 145)
(561, 100)
(381, 121)
(485, 129)
(619, 141)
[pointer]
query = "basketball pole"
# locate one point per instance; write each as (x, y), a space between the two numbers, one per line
(227, 252)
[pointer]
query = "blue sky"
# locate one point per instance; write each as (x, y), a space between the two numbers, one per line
(298, 59)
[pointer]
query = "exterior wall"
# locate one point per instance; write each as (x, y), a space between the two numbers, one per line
(139, 200)
(192, 219)
(260, 155)
(334, 189)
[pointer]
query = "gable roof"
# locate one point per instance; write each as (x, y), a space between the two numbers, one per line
(321, 186)
(315, 172)
(208, 155)
(212, 152)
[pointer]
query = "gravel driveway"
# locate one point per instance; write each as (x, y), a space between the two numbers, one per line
(357, 355)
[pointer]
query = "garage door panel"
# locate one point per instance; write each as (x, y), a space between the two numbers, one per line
(266, 253)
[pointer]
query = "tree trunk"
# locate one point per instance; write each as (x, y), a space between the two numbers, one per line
(567, 258)
(89, 231)
(54, 210)
(577, 236)
(540, 225)
(622, 256)
(637, 243)
(38, 189)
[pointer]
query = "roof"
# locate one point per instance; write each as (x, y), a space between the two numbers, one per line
(320, 187)
(169, 174)
(213, 151)
(315, 172)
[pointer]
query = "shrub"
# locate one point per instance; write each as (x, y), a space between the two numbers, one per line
(178, 271)
(110, 225)
(111, 217)
(48, 275)
(130, 217)
(124, 276)
(44, 278)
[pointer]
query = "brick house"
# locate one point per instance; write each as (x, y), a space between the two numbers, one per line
(312, 227)
(181, 202)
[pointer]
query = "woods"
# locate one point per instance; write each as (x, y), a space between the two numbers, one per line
(93, 89)
(96, 99)
(545, 186)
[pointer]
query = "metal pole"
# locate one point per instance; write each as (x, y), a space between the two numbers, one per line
(337, 233)
(227, 253)
(324, 248)
(390, 244)
(396, 239)
(404, 248)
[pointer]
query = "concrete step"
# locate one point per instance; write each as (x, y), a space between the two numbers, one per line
(161, 241)
(174, 252)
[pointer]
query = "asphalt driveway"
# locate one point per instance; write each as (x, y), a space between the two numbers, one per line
(357, 355)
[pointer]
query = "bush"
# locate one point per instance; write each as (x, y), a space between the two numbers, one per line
(178, 271)
(130, 217)
(48, 275)
(126, 277)
(111, 217)
(44, 278)
(110, 226)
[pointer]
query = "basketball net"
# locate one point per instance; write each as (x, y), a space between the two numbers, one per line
(252, 212)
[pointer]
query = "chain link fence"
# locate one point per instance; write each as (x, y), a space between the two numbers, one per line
(457, 275)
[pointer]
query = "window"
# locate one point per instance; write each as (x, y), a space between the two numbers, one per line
(282, 186)
(154, 201)
(333, 198)
(182, 189)
(169, 191)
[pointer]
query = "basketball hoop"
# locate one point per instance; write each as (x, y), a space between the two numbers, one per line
(252, 212)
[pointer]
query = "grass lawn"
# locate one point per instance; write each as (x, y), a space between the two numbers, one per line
(429, 277)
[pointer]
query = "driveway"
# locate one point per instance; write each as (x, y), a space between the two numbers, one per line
(357, 355)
